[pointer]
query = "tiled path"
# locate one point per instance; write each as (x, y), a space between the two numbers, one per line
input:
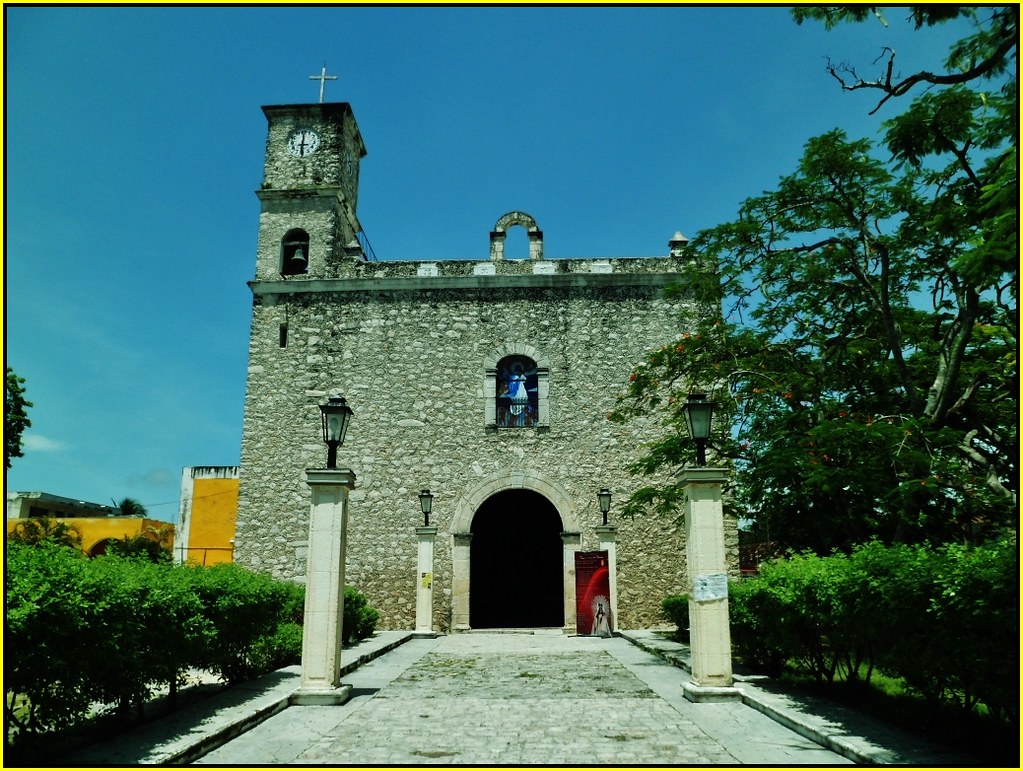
(520, 699)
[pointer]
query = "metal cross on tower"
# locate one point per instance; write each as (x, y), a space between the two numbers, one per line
(323, 77)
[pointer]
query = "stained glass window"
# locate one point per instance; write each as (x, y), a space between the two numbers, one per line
(516, 392)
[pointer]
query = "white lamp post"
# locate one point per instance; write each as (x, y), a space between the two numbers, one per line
(710, 639)
(424, 575)
(325, 566)
(607, 538)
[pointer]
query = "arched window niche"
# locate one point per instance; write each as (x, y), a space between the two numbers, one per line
(517, 392)
(516, 388)
(295, 253)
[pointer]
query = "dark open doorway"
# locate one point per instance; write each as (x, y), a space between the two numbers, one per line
(516, 570)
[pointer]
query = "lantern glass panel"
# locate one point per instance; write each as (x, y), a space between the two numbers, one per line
(336, 414)
(698, 414)
(426, 501)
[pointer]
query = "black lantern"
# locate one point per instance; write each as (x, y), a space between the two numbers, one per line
(604, 499)
(698, 412)
(426, 503)
(335, 415)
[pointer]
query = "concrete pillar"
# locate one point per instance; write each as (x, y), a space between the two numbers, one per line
(460, 582)
(607, 536)
(424, 582)
(325, 588)
(709, 637)
(570, 543)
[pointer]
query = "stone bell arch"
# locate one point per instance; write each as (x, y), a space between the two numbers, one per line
(500, 231)
(471, 501)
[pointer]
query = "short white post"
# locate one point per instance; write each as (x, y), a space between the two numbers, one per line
(607, 537)
(709, 636)
(325, 588)
(460, 554)
(570, 543)
(424, 582)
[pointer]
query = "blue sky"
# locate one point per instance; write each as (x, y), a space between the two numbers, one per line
(134, 144)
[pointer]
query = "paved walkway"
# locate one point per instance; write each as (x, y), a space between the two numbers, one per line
(512, 699)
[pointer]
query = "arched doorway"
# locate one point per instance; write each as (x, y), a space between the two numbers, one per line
(100, 547)
(516, 573)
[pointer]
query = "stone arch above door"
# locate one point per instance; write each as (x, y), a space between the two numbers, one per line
(461, 535)
(513, 479)
(512, 218)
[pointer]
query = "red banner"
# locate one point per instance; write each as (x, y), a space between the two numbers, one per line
(593, 594)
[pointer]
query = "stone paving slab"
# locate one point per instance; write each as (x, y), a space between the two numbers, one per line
(839, 728)
(514, 699)
(503, 699)
(187, 734)
(569, 703)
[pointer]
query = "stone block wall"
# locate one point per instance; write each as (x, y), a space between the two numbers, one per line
(407, 348)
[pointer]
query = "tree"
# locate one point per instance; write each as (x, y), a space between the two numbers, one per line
(129, 507)
(152, 544)
(15, 416)
(865, 358)
(145, 546)
(36, 530)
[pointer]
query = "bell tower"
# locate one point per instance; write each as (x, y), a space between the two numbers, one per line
(309, 194)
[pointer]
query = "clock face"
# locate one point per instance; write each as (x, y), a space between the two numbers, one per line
(303, 142)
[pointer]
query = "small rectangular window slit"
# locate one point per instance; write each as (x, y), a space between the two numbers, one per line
(284, 335)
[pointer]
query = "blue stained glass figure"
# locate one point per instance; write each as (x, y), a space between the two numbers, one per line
(516, 393)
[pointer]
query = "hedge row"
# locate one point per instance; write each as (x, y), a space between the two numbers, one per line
(676, 609)
(945, 620)
(109, 631)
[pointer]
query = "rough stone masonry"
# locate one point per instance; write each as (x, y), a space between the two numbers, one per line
(417, 347)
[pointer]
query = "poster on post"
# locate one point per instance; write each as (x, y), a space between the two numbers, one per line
(593, 594)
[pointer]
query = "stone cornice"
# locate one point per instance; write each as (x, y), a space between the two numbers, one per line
(333, 477)
(432, 283)
(326, 191)
(702, 475)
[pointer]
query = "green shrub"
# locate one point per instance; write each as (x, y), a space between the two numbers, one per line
(282, 648)
(45, 686)
(951, 615)
(942, 620)
(292, 596)
(125, 629)
(675, 608)
(140, 547)
(108, 631)
(359, 619)
(757, 617)
(241, 606)
(822, 612)
(45, 529)
(977, 606)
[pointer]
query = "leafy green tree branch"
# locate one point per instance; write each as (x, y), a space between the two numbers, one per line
(865, 355)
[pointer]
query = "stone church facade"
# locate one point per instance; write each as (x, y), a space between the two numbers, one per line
(486, 381)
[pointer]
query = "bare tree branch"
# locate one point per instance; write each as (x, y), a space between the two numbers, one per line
(892, 88)
(977, 457)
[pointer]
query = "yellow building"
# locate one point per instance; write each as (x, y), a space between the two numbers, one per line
(96, 523)
(206, 521)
